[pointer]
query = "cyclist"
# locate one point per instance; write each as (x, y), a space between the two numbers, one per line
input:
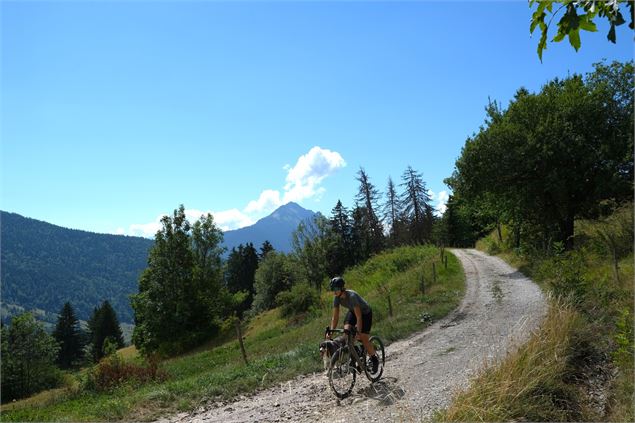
(359, 315)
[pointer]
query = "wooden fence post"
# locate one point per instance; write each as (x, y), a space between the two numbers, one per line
(240, 341)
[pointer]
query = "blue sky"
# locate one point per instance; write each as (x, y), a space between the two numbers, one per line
(114, 112)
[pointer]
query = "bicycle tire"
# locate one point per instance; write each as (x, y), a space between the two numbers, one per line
(381, 355)
(341, 374)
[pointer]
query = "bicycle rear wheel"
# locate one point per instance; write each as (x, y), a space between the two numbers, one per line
(381, 355)
(341, 374)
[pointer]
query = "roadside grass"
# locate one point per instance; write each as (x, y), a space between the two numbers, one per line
(278, 349)
(529, 384)
(585, 338)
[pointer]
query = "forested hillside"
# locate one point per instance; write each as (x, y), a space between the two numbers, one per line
(44, 265)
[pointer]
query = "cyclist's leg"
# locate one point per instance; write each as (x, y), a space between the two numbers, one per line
(367, 324)
(350, 320)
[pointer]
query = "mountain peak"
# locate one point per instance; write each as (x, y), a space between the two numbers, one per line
(275, 228)
(291, 211)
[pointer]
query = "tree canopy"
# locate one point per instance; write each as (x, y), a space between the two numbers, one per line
(181, 297)
(28, 357)
(553, 156)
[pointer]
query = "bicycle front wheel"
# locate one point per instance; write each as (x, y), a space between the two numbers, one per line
(381, 355)
(341, 373)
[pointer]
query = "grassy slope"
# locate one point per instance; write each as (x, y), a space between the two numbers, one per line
(278, 349)
(545, 379)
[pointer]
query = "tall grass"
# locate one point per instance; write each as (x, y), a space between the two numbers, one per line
(278, 348)
(529, 385)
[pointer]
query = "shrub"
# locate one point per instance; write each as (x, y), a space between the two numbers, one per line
(301, 298)
(113, 371)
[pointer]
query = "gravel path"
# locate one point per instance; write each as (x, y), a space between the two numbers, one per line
(501, 307)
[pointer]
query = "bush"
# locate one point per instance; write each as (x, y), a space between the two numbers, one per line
(301, 298)
(113, 371)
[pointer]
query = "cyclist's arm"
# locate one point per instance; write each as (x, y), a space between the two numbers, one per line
(336, 317)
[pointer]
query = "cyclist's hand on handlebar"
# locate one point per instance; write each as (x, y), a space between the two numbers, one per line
(327, 333)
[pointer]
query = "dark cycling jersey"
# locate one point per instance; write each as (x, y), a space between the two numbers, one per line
(352, 299)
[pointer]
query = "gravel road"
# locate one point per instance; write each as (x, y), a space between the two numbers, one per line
(500, 309)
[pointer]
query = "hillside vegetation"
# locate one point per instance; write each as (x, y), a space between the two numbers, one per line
(277, 347)
(579, 366)
(44, 266)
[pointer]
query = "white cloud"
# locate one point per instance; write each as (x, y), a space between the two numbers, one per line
(302, 181)
(304, 178)
(269, 200)
(442, 200)
(232, 219)
(146, 230)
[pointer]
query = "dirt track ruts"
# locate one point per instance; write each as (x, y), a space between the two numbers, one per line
(500, 309)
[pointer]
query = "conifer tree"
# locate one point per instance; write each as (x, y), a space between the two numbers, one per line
(103, 324)
(367, 199)
(68, 335)
(415, 201)
(240, 273)
(265, 249)
(340, 255)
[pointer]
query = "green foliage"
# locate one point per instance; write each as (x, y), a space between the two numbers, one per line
(551, 157)
(301, 298)
(624, 340)
(313, 244)
(277, 272)
(28, 357)
(68, 335)
(80, 267)
(181, 299)
(240, 271)
(103, 325)
(572, 20)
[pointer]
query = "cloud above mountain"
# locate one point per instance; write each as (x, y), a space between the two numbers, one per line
(303, 181)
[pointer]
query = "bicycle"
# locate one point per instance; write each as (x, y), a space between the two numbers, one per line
(350, 359)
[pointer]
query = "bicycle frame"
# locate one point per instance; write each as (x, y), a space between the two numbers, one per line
(350, 343)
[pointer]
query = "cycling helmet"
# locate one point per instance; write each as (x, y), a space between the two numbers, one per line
(337, 284)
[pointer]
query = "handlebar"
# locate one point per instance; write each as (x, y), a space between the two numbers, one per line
(352, 331)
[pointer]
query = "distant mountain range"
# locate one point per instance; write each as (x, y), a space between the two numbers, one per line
(44, 265)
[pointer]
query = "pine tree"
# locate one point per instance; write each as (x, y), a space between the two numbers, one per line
(103, 324)
(264, 249)
(415, 201)
(367, 199)
(69, 337)
(393, 214)
(240, 273)
(340, 255)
